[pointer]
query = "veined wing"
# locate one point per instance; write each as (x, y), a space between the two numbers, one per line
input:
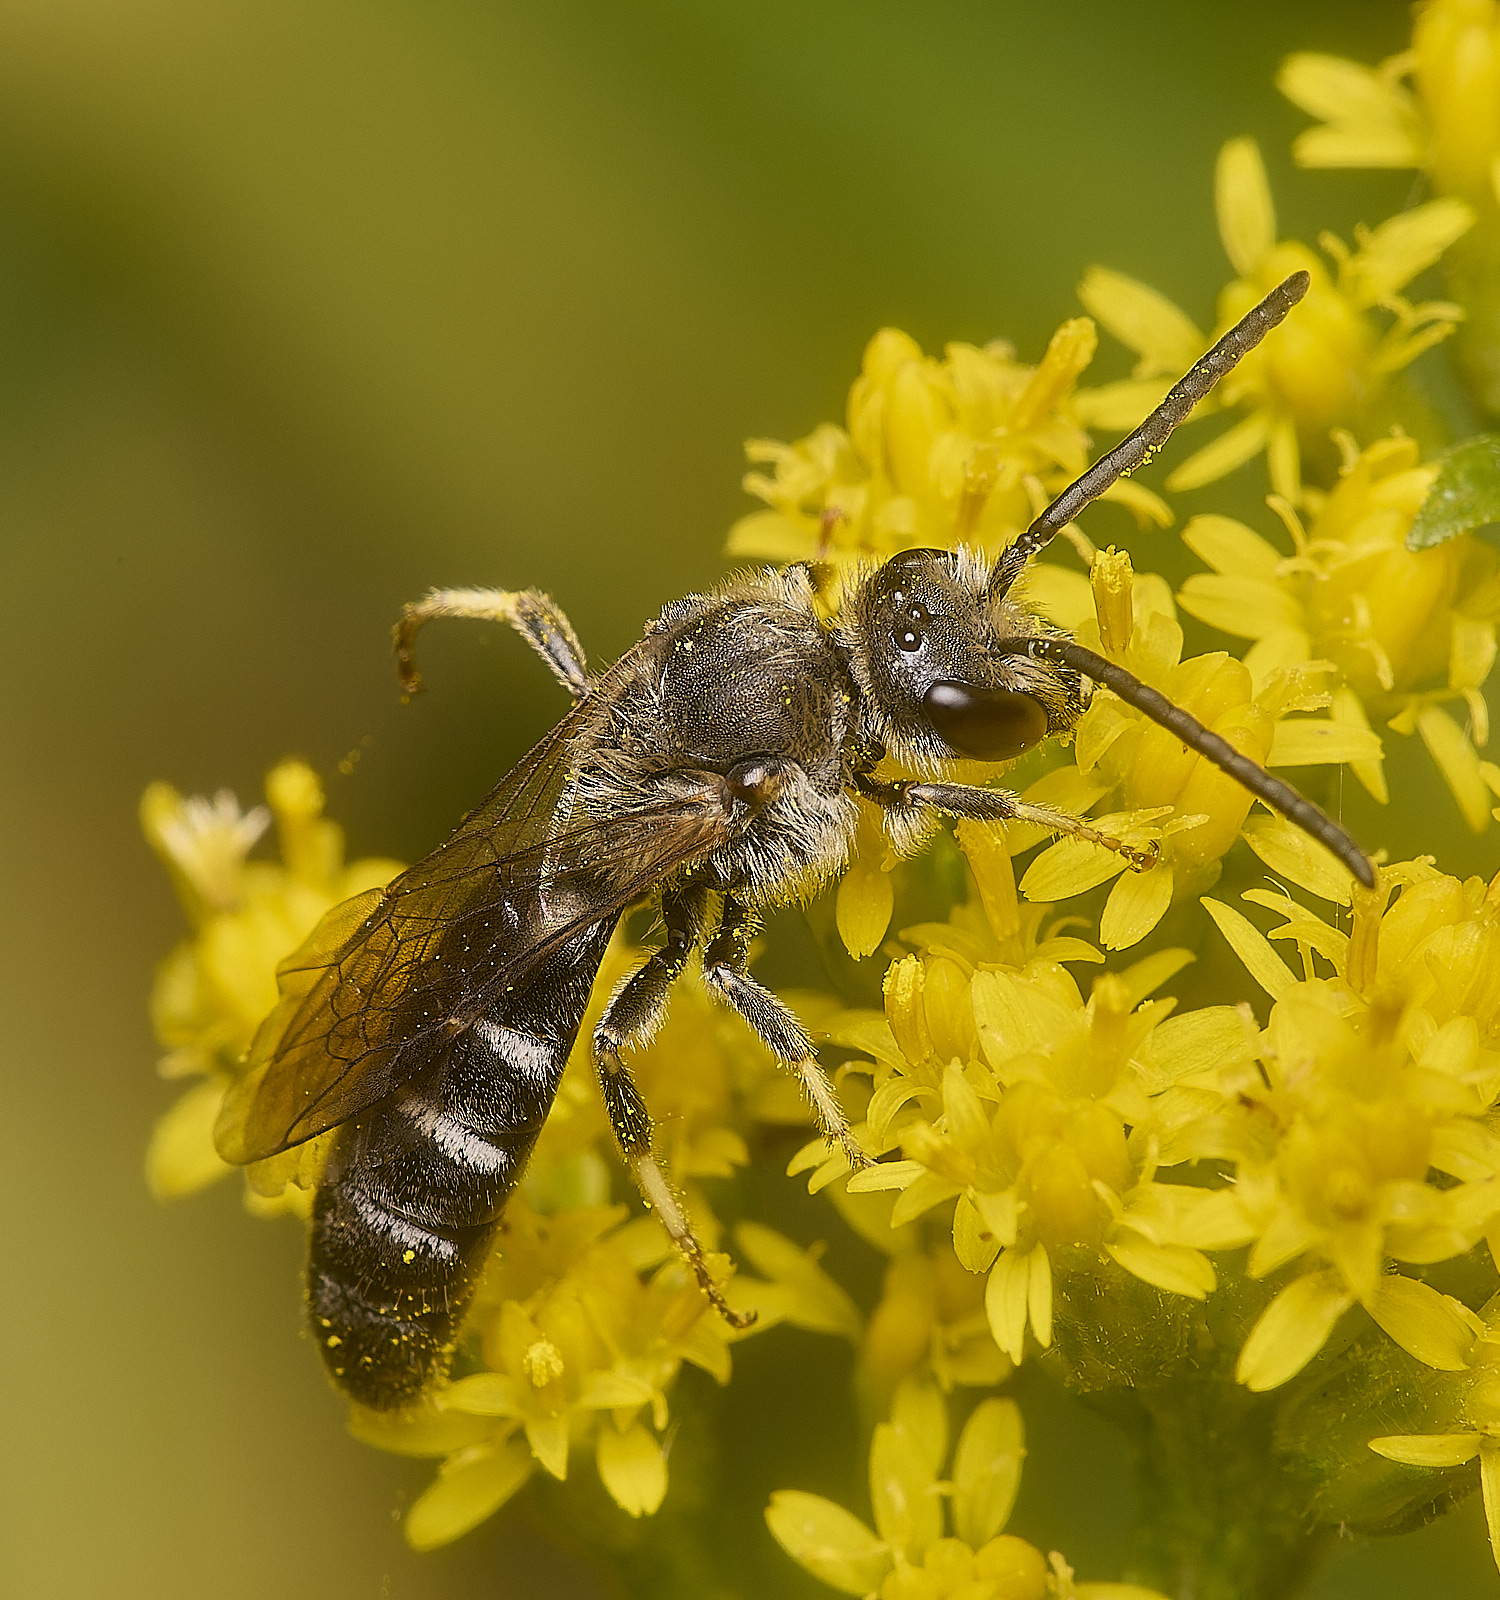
(385, 973)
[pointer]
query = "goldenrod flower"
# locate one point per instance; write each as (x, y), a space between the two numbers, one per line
(1364, 1083)
(1409, 631)
(1191, 809)
(967, 449)
(1450, 126)
(213, 990)
(1010, 1095)
(910, 1557)
(1321, 369)
(1473, 1425)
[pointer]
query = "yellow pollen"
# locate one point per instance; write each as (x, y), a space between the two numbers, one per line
(542, 1363)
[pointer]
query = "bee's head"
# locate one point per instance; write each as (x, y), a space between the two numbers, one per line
(920, 632)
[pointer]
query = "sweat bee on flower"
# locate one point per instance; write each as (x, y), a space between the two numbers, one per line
(712, 772)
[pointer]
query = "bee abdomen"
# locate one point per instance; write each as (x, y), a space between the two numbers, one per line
(386, 1294)
(415, 1188)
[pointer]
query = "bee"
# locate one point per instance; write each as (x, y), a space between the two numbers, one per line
(711, 772)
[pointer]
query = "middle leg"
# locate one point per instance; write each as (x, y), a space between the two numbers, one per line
(724, 963)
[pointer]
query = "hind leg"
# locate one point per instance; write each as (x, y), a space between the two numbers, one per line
(632, 1016)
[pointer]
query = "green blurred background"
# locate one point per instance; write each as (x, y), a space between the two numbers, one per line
(304, 307)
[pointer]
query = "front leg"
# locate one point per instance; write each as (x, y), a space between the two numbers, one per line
(724, 963)
(967, 801)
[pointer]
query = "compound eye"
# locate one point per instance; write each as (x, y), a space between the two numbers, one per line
(987, 724)
(911, 629)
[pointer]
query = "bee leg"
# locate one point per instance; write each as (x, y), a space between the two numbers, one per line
(907, 800)
(534, 615)
(633, 1014)
(724, 963)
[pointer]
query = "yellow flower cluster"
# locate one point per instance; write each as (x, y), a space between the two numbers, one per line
(1323, 368)
(583, 1319)
(214, 989)
(967, 449)
(1044, 1121)
(1450, 125)
(907, 1555)
(1407, 630)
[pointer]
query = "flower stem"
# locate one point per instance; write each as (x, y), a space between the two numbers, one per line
(1219, 1518)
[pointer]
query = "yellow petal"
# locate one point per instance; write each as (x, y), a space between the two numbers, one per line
(1146, 976)
(181, 1159)
(1039, 1296)
(919, 1409)
(1162, 335)
(1375, 123)
(1070, 867)
(1173, 1267)
(1291, 853)
(1005, 1297)
(1401, 247)
(1195, 1041)
(1471, 654)
(1122, 405)
(1242, 198)
(1063, 597)
(1233, 448)
(866, 896)
(1291, 1330)
(472, 1486)
(548, 1438)
(428, 1432)
(632, 1467)
(1365, 146)
(987, 1471)
(1427, 1449)
(820, 1305)
(1252, 947)
(1229, 546)
(1348, 708)
(1314, 741)
(988, 854)
(1339, 90)
(1138, 901)
(1489, 1483)
(908, 1512)
(769, 536)
(1432, 1327)
(1245, 607)
(1449, 747)
(833, 1545)
(886, 1175)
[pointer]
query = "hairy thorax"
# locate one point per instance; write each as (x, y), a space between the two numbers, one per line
(742, 682)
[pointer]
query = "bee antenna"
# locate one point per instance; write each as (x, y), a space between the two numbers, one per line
(1152, 434)
(1282, 797)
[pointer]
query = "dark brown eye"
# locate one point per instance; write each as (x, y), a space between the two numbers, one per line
(987, 724)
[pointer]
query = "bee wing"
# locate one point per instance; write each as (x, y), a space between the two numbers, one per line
(390, 972)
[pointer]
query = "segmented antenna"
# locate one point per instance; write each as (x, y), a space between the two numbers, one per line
(1152, 434)
(1213, 747)
(1125, 457)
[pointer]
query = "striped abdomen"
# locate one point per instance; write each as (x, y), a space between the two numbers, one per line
(415, 1186)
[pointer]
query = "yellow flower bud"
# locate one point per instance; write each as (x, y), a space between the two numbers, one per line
(1112, 579)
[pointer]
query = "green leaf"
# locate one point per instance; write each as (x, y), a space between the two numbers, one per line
(1465, 494)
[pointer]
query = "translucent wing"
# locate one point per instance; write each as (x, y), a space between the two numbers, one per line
(386, 975)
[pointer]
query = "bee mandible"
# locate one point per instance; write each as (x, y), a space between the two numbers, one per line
(710, 772)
